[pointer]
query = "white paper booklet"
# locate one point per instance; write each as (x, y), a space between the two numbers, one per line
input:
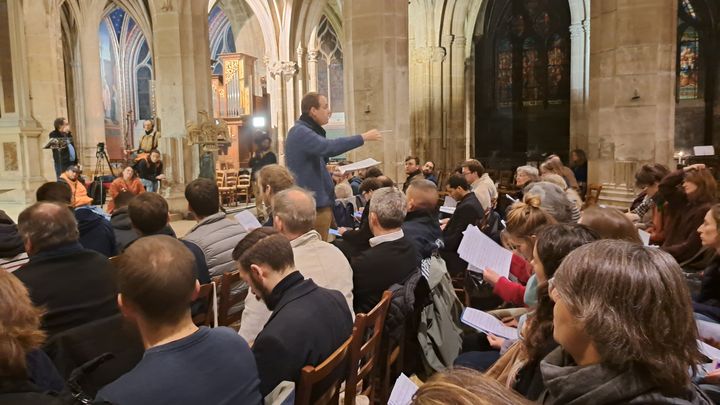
(403, 391)
(481, 252)
(247, 220)
(363, 164)
(487, 323)
(644, 237)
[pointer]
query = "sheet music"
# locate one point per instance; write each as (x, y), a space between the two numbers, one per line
(485, 322)
(449, 202)
(363, 164)
(447, 210)
(710, 351)
(403, 391)
(481, 252)
(247, 220)
(704, 150)
(644, 237)
(334, 232)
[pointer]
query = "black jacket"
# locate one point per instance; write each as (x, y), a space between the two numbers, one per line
(422, 228)
(379, 267)
(148, 170)
(707, 302)
(258, 161)
(124, 232)
(356, 241)
(307, 325)
(96, 233)
(11, 244)
(73, 284)
(21, 391)
(412, 176)
(62, 156)
(468, 211)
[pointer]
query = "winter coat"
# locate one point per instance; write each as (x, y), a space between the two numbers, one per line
(96, 233)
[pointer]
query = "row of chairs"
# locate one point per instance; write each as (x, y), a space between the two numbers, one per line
(218, 298)
(233, 186)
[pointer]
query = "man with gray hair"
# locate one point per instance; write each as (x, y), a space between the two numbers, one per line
(526, 174)
(294, 217)
(391, 259)
(73, 284)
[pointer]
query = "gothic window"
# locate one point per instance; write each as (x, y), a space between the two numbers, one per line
(689, 67)
(222, 39)
(522, 81)
(330, 78)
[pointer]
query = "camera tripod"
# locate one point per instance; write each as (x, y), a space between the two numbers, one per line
(101, 159)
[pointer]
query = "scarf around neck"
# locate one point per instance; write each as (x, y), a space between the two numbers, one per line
(313, 125)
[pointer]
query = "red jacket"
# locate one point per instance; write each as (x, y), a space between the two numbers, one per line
(510, 291)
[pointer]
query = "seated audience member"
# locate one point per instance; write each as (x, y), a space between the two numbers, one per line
(428, 171)
(149, 215)
(343, 189)
(120, 221)
(707, 302)
(570, 193)
(464, 387)
(421, 222)
(524, 220)
(480, 182)
(469, 211)
(308, 323)
(294, 211)
(74, 285)
(214, 234)
(354, 241)
(412, 170)
(272, 179)
(519, 367)
(12, 250)
(647, 179)
(373, 172)
(579, 165)
(554, 200)
(555, 165)
(150, 171)
(610, 223)
(128, 181)
(386, 181)
(96, 232)
(624, 322)
(27, 375)
(525, 175)
(688, 193)
(356, 179)
(183, 364)
(78, 193)
(391, 258)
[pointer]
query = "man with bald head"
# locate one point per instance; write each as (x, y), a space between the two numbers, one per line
(183, 364)
(73, 284)
(294, 216)
(421, 222)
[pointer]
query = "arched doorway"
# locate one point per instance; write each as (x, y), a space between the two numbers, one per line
(522, 82)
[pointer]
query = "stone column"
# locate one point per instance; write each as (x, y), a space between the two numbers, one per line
(579, 71)
(632, 78)
(91, 130)
(376, 78)
(20, 143)
(281, 87)
(181, 58)
(312, 69)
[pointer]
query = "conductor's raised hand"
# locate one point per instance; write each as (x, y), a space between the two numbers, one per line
(372, 135)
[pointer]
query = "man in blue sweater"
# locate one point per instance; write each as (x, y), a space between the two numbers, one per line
(307, 150)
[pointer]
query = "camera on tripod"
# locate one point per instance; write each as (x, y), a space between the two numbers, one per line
(100, 148)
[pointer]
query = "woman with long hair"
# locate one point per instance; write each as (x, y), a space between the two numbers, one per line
(707, 302)
(27, 376)
(128, 181)
(688, 195)
(625, 326)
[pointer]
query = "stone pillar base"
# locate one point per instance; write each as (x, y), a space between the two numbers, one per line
(20, 164)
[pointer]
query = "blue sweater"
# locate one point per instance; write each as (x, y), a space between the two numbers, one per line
(305, 153)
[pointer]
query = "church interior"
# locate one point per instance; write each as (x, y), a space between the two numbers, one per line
(447, 101)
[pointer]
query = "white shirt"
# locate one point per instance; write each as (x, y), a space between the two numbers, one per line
(388, 237)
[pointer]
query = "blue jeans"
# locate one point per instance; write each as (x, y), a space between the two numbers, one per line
(58, 169)
(150, 186)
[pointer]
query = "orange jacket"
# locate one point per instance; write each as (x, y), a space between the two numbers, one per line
(119, 185)
(79, 192)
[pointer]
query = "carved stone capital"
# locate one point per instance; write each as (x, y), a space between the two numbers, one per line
(429, 54)
(578, 30)
(312, 55)
(282, 68)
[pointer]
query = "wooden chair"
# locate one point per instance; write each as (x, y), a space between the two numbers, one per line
(593, 194)
(243, 187)
(206, 318)
(328, 376)
(227, 300)
(365, 351)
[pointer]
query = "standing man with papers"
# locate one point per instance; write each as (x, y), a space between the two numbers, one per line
(468, 212)
(307, 151)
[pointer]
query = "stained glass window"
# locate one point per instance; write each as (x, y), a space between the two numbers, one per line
(504, 79)
(330, 66)
(688, 8)
(689, 66)
(531, 69)
(558, 66)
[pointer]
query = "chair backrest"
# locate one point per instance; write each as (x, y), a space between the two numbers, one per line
(243, 180)
(207, 297)
(593, 194)
(321, 385)
(220, 178)
(365, 350)
(232, 178)
(228, 298)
